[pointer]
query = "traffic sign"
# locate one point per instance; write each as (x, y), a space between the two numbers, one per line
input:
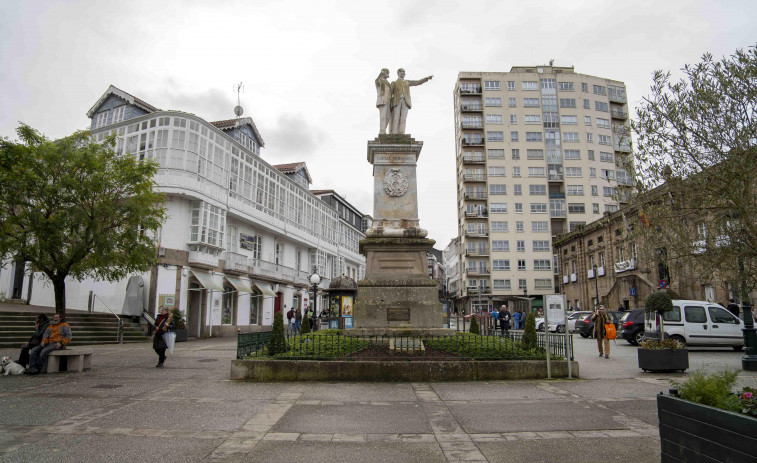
(632, 292)
(663, 284)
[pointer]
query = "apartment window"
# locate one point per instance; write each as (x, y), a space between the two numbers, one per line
(542, 264)
(519, 208)
(497, 189)
(552, 138)
(540, 226)
(513, 119)
(569, 120)
(611, 207)
(512, 102)
(570, 137)
(530, 102)
(601, 106)
(501, 264)
(538, 208)
(500, 245)
(548, 84)
(491, 85)
(565, 86)
(576, 208)
(533, 137)
(495, 136)
(574, 190)
(549, 103)
(519, 227)
(522, 284)
(511, 85)
(592, 172)
(587, 120)
(608, 191)
(518, 189)
(502, 285)
(608, 174)
(543, 283)
(515, 153)
(572, 154)
(533, 119)
(513, 136)
(571, 227)
(551, 120)
(600, 90)
(500, 208)
(516, 171)
(499, 226)
(603, 123)
(595, 208)
(493, 119)
(573, 172)
(591, 155)
(584, 87)
(541, 245)
(604, 140)
(535, 154)
(528, 85)
(497, 171)
(521, 264)
(495, 154)
(537, 190)
(589, 137)
(567, 102)
(492, 101)
(594, 190)
(537, 172)
(521, 246)
(587, 104)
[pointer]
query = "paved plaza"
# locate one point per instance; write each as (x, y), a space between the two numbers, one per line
(125, 409)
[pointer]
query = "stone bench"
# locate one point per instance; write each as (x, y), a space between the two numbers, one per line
(77, 359)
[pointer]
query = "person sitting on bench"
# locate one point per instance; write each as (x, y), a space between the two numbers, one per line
(56, 337)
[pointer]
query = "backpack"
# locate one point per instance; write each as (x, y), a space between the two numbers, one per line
(290, 314)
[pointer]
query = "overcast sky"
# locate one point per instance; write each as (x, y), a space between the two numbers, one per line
(308, 66)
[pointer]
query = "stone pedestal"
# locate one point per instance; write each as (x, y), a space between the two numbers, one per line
(397, 295)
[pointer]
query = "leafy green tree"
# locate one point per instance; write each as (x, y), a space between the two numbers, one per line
(659, 302)
(73, 208)
(529, 332)
(278, 342)
(695, 167)
(474, 329)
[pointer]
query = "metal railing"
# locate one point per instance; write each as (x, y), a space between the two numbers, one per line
(120, 332)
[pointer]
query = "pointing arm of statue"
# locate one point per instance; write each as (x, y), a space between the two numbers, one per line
(419, 82)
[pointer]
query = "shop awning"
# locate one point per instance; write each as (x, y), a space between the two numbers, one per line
(240, 285)
(264, 288)
(207, 281)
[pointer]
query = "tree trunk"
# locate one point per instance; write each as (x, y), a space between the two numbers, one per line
(59, 286)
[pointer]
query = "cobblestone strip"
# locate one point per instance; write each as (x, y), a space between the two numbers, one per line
(241, 442)
(455, 443)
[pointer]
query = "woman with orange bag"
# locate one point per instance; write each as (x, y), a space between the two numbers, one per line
(600, 319)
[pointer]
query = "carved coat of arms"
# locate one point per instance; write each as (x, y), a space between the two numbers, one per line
(395, 183)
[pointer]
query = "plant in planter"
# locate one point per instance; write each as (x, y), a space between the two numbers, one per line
(703, 420)
(181, 325)
(663, 354)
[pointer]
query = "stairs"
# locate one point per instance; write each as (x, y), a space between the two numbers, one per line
(17, 327)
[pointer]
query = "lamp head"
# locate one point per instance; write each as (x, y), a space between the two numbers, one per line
(315, 279)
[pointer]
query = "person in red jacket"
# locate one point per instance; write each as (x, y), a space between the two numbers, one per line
(56, 337)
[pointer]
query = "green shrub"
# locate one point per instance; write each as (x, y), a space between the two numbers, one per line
(178, 318)
(710, 389)
(474, 329)
(653, 344)
(278, 342)
(305, 327)
(529, 332)
(658, 302)
(323, 344)
(480, 347)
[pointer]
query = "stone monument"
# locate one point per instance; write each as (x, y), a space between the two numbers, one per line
(397, 294)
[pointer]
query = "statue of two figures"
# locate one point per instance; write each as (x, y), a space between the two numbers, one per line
(393, 100)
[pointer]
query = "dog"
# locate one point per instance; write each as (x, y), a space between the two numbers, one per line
(10, 367)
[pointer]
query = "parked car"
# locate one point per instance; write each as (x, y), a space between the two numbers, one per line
(560, 326)
(540, 324)
(700, 323)
(573, 318)
(585, 326)
(632, 326)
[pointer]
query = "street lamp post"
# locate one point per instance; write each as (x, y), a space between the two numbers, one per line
(596, 286)
(314, 280)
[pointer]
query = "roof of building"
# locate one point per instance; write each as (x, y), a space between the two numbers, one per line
(319, 193)
(131, 99)
(293, 167)
(322, 192)
(232, 123)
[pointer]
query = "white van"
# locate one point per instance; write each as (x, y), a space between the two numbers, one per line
(700, 323)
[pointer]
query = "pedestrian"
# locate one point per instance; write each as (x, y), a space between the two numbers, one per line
(290, 319)
(311, 318)
(493, 317)
(162, 326)
(297, 321)
(56, 337)
(733, 308)
(504, 319)
(41, 322)
(516, 320)
(600, 319)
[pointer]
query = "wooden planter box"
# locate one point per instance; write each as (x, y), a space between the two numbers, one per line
(663, 359)
(694, 433)
(182, 335)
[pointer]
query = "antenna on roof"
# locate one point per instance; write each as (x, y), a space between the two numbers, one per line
(551, 62)
(238, 110)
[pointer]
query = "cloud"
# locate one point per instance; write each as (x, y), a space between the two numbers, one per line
(292, 134)
(210, 104)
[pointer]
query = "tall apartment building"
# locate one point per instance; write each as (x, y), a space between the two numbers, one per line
(540, 151)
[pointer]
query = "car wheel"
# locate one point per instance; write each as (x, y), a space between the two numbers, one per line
(584, 335)
(679, 339)
(638, 337)
(540, 327)
(738, 348)
(560, 329)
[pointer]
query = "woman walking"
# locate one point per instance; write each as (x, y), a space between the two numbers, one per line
(162, 326)
(600, 319)
(297, 321)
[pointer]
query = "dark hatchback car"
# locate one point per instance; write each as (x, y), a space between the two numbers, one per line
(632, 326)
(585, 326)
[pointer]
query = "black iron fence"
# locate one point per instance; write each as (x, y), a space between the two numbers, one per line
(333, 345)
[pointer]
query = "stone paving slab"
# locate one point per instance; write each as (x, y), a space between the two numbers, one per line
(39, 411)
(354, 419)
(630, 388)
(493, 391)
(644, 410)
(623, 449)
(357, 392)
(348, 452)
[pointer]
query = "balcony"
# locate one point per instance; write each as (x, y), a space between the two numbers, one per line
(601, 271)
(557, 196)
(565, 279)
(203, 259)
(476, 233)
(475, 196)
(573, 277)
(617, 97)
(471, 107)
(618, 114)
(470, 90)
(477, 272)
(473, 142)
(555, 176)
(622, 143)
(234, 263)
(474, 160)
(625, 265)
(474, 177)
(590, 274)
(477, 252)
(476, 215)
(472, 124)
(264, 268)
(558, 213)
